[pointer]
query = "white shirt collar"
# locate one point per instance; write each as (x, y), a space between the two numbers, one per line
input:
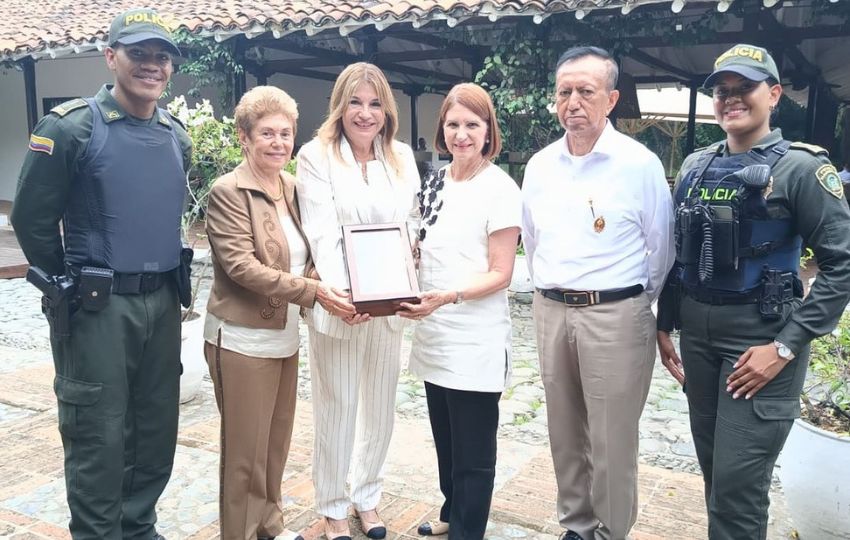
(606, 144)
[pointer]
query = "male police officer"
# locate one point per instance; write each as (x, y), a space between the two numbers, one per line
(743, 207)
(112, 169)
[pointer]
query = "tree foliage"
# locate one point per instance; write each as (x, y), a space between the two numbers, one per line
(520, 79)
(210, 64)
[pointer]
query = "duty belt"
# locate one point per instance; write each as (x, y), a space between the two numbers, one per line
(139, 283)
(590, 298)
(706, 297)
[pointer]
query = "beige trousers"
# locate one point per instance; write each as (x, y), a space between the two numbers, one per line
(256, 399)
(596, 364)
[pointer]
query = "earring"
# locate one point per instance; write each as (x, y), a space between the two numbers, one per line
(487, 141)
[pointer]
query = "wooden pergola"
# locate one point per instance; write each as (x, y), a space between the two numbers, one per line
(429, 48)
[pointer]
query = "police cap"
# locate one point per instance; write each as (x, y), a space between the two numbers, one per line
(748, 61)
(141, 24)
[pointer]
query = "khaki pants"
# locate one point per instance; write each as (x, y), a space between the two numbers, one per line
(596, 364)
(256, 398)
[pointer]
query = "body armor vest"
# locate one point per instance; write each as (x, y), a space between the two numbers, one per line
(725, 238)
(125, 205)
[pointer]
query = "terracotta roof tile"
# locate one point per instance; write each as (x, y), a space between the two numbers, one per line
(58, 24)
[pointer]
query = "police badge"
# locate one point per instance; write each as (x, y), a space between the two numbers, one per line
(829, 180)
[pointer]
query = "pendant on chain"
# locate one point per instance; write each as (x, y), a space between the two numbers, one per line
(599, 224)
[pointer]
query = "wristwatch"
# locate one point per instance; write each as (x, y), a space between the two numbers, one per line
(459, 298)
(783, 350)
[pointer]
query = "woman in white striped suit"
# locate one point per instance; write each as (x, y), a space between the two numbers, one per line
(353, 172)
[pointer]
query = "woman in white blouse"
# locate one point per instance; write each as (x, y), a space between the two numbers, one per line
(471, 212)
(353, 172)
(260, 257)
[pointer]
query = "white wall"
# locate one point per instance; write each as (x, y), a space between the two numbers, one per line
(13, 130)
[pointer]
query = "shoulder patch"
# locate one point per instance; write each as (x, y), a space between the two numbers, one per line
(829, 180)
(810, 148)
(41, 144)
(69, 106)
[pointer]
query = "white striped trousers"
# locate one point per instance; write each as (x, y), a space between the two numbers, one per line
(354, 389)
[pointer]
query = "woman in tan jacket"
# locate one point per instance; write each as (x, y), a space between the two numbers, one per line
(260, 260)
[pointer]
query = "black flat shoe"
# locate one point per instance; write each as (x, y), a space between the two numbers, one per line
(433, 529)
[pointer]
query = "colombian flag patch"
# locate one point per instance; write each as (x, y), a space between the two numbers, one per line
(41, 144)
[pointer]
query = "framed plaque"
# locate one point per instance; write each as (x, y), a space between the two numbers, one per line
(380, 267)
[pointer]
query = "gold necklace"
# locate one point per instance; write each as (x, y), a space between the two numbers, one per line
(279, 196)
(475, 172)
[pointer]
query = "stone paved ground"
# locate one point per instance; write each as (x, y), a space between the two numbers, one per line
(32, 488)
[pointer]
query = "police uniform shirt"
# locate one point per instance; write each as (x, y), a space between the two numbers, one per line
(806, 188)
(47, 175)
(599, 221)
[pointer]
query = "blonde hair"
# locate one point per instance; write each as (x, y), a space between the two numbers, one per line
(262, 101)
(330, 132)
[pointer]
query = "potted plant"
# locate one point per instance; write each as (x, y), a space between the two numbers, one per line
(815, 464)
(215, 151)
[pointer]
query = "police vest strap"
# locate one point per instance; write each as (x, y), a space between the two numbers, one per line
(777, 152)
(766, 248)
(703, 164)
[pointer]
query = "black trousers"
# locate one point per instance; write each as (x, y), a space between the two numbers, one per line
(464, 425)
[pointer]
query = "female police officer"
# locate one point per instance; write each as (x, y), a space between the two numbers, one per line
(743, 207)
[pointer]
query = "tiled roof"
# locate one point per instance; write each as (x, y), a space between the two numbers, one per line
(49, 28)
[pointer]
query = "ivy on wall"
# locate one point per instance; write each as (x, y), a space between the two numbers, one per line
(210, 64)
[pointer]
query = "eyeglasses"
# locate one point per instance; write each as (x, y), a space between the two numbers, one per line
(722, 93)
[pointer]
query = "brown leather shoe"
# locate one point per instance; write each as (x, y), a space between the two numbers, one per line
(371, 524)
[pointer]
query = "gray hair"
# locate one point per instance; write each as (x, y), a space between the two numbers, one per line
(581, 51)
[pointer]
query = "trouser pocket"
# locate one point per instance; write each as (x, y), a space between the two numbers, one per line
(75, 402)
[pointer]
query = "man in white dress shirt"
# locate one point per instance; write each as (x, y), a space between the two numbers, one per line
(598, 233)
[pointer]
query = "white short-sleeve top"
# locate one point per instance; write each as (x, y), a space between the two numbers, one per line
(466, 346)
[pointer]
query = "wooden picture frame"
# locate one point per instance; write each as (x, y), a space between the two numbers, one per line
(381, 271)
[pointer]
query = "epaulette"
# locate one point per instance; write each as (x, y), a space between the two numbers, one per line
(72, 105)
(177, 121)
(709, 148)
(810, 148)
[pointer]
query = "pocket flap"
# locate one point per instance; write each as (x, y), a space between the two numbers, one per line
(76, 392)
(776, 408)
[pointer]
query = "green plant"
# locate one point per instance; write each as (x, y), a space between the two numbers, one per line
(215, 151)
(520, 80)
(807, 256)
(211, 64)
(826, 396)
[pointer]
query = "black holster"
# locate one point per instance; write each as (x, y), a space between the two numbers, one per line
(183, 277)
(778, 288)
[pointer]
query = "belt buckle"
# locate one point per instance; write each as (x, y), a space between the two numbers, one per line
(575, 298)
(147, 283)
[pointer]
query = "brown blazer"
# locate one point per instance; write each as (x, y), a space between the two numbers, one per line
(252, 284)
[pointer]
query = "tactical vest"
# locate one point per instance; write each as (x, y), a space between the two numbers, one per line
(725, 238)
(125, 205)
